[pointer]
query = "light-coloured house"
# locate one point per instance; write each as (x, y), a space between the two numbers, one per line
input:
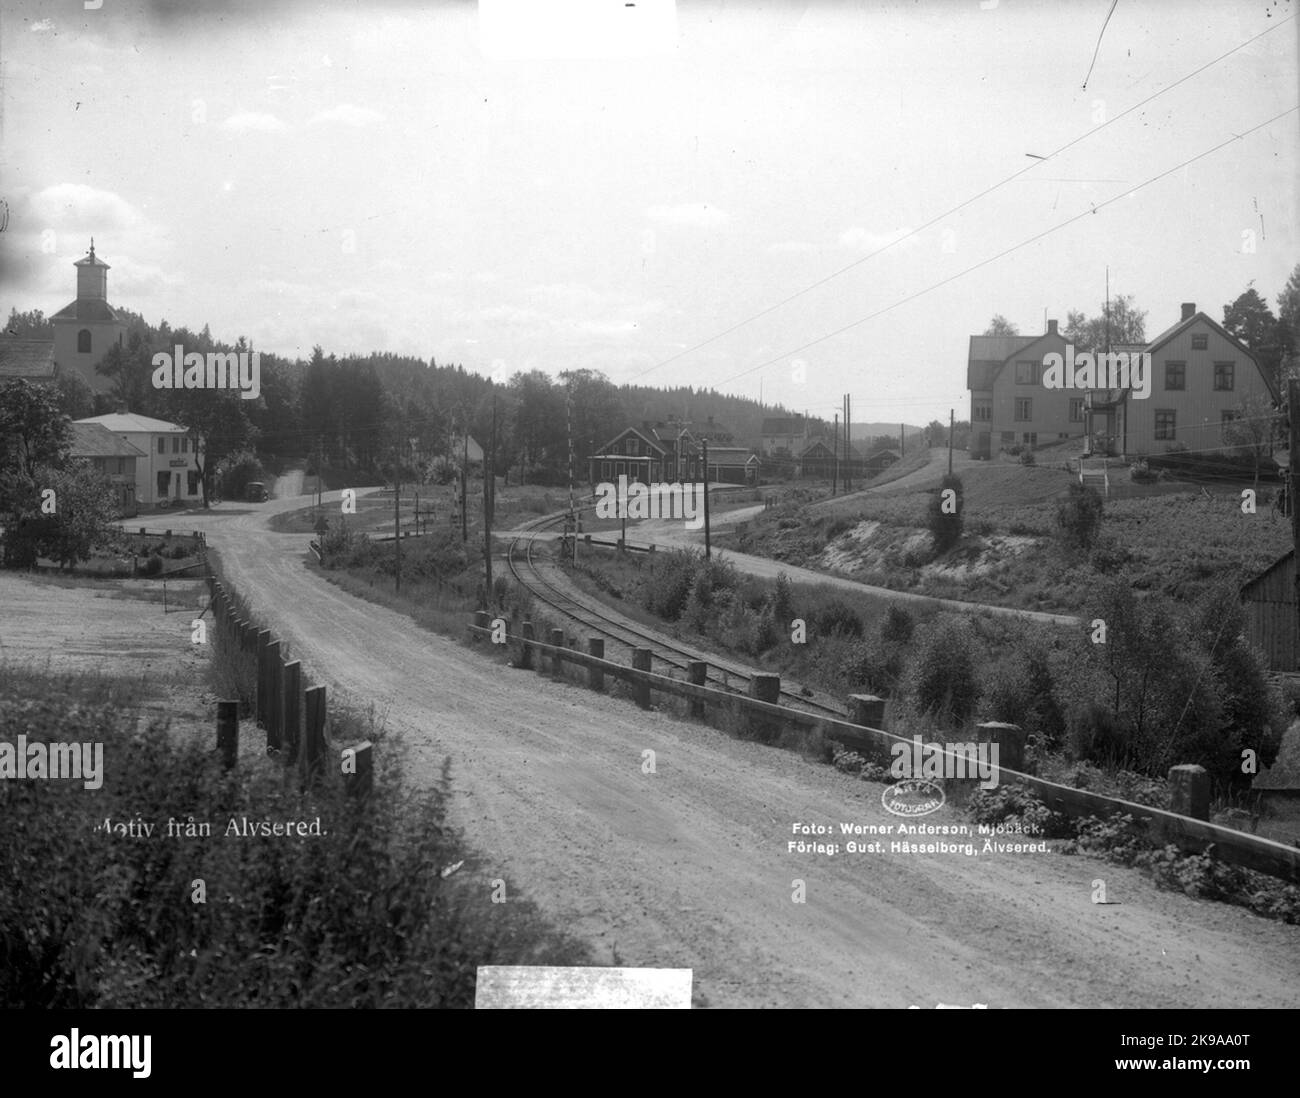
(1199, 377)
(168, 470)
(112, 455)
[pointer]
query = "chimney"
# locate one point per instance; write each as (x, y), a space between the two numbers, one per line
(1051, 327)
(1189, 310)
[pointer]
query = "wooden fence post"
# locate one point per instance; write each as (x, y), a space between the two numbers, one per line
(275, 706)
(358, 769)
(526, 653)
(1010, 739)
(765, 688)
(263, 679)
(869, 711)
(482, 620)
(697, 673)
(596, 675)
(292, 709)
(640, 688)
(1189, 791)
(228, 732)
(557, 645)
(315, 734)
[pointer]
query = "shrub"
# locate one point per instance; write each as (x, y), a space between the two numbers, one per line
(783, 600)
(945, 513)
(1141, 473)
(835, 617)
(1027, 458)
(941, 679)
(897, 625)
(1078, 518)
(152, 566)
(669, 581)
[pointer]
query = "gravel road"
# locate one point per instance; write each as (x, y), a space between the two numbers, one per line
(689, 866)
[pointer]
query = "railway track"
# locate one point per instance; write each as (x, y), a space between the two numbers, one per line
(722, 673)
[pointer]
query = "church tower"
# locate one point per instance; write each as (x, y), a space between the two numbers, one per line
(85, 330)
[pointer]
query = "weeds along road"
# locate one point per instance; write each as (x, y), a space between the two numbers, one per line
(688, 867)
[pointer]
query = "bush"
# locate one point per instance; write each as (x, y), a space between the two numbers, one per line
(152, 566)
(1141, 473)
(1078, 518)
(835, 617)
(1027, 458)
(942, 679)
(945, 513)
(897, 625)
(669, 582)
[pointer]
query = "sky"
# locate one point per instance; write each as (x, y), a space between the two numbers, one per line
(674, 194)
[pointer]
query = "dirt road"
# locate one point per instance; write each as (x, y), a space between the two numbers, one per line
(689, 866)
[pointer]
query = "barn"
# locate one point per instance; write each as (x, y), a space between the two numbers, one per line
(1270, 603)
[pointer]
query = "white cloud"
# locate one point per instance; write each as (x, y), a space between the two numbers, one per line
(77, 207)
(43, 25)
(348, 115)
(858, 239)
(698, 215)
(253, 120)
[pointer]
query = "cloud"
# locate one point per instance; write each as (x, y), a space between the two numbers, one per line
(42, 26)
(348, 115)
(858, 239)
(77, 207)
(697, 215)
(253, 120)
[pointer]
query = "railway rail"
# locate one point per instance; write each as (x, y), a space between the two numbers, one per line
(721, 672)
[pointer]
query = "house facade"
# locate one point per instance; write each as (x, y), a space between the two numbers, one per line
(784, 434)
(670, 453)
(1200, 377)
(111, 455)
(168, 470)
(87, 329)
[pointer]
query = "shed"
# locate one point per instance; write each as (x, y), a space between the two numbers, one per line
(1270, 603)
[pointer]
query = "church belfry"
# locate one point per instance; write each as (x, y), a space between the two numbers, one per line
(87, 329)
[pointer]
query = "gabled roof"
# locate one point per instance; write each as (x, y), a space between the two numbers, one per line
(987, 353)
(96, 440)
(885, 453)
(125, 423)
(1175, 330)
(728, 455)
(87, 310)
(608, 447)
(1285, 559)
(29, 358)
(822, 445)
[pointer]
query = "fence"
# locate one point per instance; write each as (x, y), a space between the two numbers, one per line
(293, 717)
(1188, 828)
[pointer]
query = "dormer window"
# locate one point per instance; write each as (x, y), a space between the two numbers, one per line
(83, 341)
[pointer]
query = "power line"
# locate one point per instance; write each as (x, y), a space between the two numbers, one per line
(1008, 251)
(959, 207)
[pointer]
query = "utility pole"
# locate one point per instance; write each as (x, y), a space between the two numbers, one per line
(397, 527)
(835, 451)
(568, 426)
(1293, 415)
(708, 544)
(487, 519)
(902, 440)
(952, 419)
(848, 442)
(464, 489)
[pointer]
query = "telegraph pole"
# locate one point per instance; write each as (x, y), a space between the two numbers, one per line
(568, 426)
(397, 527)
(848, 443)
(1293, 416)
(952, 419)
(835, 451)
(464, 489)
(708, 544)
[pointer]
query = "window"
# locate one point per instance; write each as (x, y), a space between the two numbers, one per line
(983, 412)
(1030, 438)
(605, 471)
(121, 467)
(1164, 424)
(1175, 375)
(162, 445)
(1063, 434)
(620, 469)
(1200, 342)
(176, 444)
(633, 447)
(1223, 378)
(1076, 410)
(1008, 438)
(192, 483)
(83, 341)
(1026, 373)
(1024, 409)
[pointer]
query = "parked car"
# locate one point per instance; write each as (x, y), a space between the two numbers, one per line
(256, 492)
